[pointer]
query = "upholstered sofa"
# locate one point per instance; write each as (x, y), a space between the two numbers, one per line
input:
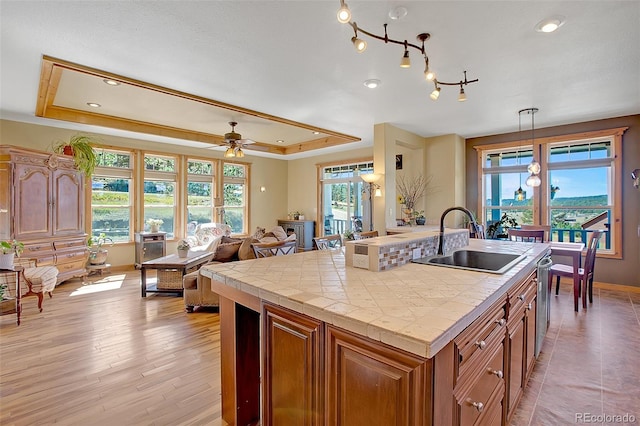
(197, 289)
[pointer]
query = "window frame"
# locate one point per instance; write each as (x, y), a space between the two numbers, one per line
(541, 194)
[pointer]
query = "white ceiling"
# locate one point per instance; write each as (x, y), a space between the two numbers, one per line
(292, 59)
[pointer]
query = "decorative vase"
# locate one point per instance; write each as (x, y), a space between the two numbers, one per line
(6, 260)
(183, 253)
(154, 228)
(421, 220)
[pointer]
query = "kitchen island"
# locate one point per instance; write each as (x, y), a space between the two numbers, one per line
(308, 340)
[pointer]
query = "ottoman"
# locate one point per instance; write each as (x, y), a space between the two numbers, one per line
(39, 280)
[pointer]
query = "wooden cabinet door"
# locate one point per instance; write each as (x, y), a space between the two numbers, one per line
(515, 372)
(32, 199)
(370, 383)
(293, 390)
(68, 202)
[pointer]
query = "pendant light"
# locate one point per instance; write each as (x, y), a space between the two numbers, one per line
(534, 167)
(519, 194)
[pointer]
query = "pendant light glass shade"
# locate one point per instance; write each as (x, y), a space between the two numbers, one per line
(534, 167)
(229, 153)
(533, 180)
(239, 153)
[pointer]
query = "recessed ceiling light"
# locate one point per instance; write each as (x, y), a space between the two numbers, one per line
(93, 105)
(372, 83)
(398, 13)
(551, 24)
(316, 133)
(111, 82)
(280, 141)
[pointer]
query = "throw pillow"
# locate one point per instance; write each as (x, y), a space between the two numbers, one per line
(291, 237)
(226, 240)
(259, 233)
(246, 250)
(227, 252)
(279, 233)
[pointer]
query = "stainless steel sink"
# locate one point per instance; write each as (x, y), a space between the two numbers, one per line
(495, 263)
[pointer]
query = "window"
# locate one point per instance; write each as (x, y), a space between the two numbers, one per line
(160, 191)
(504, 174)
(235, 197)
(111, 196)
(200, 192)
(580, 191)
(343, 204)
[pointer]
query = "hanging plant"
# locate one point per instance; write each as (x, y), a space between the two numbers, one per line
(80, 147)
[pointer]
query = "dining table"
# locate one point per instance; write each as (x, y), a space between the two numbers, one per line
(572, 250)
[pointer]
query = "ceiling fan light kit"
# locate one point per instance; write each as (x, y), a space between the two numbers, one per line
(344, 16)
(235, 142)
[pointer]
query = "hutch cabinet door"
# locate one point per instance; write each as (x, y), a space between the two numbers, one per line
(67, 202)
(32, 199)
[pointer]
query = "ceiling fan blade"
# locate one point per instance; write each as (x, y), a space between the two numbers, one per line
(245, 141)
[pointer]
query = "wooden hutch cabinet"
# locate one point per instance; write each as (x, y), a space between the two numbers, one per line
(42, 206)
(304, 230)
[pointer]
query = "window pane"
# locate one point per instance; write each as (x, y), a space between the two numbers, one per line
(233, 170)
(161, 164)
(509, 158)
(114, 159)
(195, 167)
(199, 204)
(580, 187)
(501, 189)
(233, 216)
(159, 202)
(579, 152)
(111, 207)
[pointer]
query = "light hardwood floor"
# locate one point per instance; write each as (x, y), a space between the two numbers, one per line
(99, 354)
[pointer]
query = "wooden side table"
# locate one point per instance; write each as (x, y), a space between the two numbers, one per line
(17, 309)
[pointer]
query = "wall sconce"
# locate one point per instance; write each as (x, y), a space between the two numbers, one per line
(263, 189)
(635, 175)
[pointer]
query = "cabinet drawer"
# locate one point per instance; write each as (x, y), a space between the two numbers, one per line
(64, 244)
(36, 249)
(71, 256)
(479, 337)
(519, 295)
(76, 265)
(479, 404)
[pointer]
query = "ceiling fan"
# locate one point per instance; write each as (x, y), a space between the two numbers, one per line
(235, 142)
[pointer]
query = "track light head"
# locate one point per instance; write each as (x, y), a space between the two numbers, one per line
(359, 44)
(435, 94)
(462, 97)
(344, 14)
(405, 62)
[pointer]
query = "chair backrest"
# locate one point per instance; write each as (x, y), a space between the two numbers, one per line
(281, 248)
(328, 242)
(590, 257)
(545, 228)
(367, 234)
(528, 235)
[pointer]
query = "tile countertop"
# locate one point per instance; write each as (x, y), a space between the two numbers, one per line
(417, 308)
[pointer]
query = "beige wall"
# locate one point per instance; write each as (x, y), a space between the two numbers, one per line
(627, 270)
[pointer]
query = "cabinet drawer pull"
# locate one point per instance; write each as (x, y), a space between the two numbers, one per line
(529, 306)
(501, 322)
(521, 297)
(478, 405)
(498, 373)
(481, 344)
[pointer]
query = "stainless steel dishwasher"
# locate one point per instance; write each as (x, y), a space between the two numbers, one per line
(543, 305)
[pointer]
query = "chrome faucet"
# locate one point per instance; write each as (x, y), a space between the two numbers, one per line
(472, 219)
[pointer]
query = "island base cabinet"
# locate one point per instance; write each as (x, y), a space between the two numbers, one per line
(372, 384)
(293, 368)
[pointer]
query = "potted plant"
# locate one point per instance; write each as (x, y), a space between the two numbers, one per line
(98, 254)
(348, 235)
(419, 216)
(183, 248)
(10, 249)
(80, 147)
(500, 228)
(154, 224)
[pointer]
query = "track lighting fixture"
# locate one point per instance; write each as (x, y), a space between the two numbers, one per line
(344, 16)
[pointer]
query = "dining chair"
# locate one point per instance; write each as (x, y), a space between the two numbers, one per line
(366, 234)
(280, 248)
(545, 228)
(585, 275)
(528, 235)
(327, 242)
